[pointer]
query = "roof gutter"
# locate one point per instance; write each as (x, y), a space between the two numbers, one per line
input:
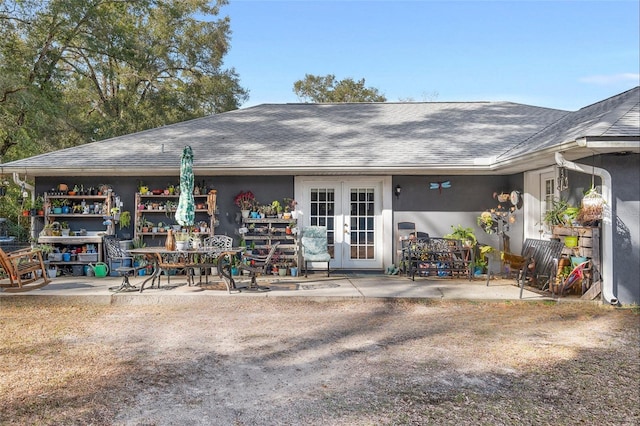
(607, 226)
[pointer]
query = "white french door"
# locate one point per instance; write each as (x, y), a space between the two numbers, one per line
(351, 211)
(540, 189)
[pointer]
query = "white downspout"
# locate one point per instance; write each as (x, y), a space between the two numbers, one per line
(607, 225)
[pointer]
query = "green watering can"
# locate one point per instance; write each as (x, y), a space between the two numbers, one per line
(100, 269)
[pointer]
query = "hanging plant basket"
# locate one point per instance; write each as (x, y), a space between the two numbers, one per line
(592, 206)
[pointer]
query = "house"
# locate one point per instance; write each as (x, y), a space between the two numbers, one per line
(362, 168)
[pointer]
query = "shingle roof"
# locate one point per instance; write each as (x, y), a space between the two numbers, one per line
(312, 138)
(349, 138)
(618, 116)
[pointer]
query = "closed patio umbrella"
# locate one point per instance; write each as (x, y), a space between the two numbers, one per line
(185, 212)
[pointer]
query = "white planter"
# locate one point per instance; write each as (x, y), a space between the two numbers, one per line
(52, 272)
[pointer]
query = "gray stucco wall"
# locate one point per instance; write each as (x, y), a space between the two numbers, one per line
(625, 176)
(434, 211)
(625, 217)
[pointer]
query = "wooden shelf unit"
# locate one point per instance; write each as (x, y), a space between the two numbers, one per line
(160, 214)
(264, 232)
(91, 220)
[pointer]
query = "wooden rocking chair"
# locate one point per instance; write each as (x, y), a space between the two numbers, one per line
(25, 270)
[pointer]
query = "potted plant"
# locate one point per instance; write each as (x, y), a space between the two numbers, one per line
(46, 249)
(268, 210)
(481, 261)
(202, 226)
(466, 235)
(245, 200)
(276, 207)
(64, 228)
(555, 216)
(39, 206)
(182, 240)
(56, 205)
(125, 219)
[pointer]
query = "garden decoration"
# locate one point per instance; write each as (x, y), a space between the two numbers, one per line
(185, 212)
(440, 185)
(563, 179)
(496, 220)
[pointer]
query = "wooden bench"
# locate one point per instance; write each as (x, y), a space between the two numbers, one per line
(536, 261)
(442, 257)
(25, 270)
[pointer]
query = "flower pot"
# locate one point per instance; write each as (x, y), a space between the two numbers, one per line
(576, 260)
(282, 272)
(571, 241)
(52, 272)
(294, 271)
(245, 213)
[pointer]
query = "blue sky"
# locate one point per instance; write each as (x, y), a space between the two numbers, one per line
(556, 54)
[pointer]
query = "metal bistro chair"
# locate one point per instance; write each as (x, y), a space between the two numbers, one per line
(313, 244)
(214, 245)
(117, 255)
(257, 264)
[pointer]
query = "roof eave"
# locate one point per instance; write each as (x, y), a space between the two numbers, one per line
(574, 150)
(480, 167)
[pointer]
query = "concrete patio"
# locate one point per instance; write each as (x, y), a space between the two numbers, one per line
(339, 285)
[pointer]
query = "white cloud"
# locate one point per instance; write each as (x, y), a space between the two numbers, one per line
(606, 80)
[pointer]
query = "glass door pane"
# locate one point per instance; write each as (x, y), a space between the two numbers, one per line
(362, 223)
(322, 213)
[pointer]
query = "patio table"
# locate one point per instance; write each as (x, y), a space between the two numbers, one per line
(161, 258)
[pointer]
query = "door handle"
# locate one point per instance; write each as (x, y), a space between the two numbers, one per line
(346, 228)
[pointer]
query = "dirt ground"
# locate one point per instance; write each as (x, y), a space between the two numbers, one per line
(244, 361)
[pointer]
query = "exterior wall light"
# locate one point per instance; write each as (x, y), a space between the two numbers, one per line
(397, 191)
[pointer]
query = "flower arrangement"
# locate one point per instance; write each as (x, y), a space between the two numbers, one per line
(245, 200)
